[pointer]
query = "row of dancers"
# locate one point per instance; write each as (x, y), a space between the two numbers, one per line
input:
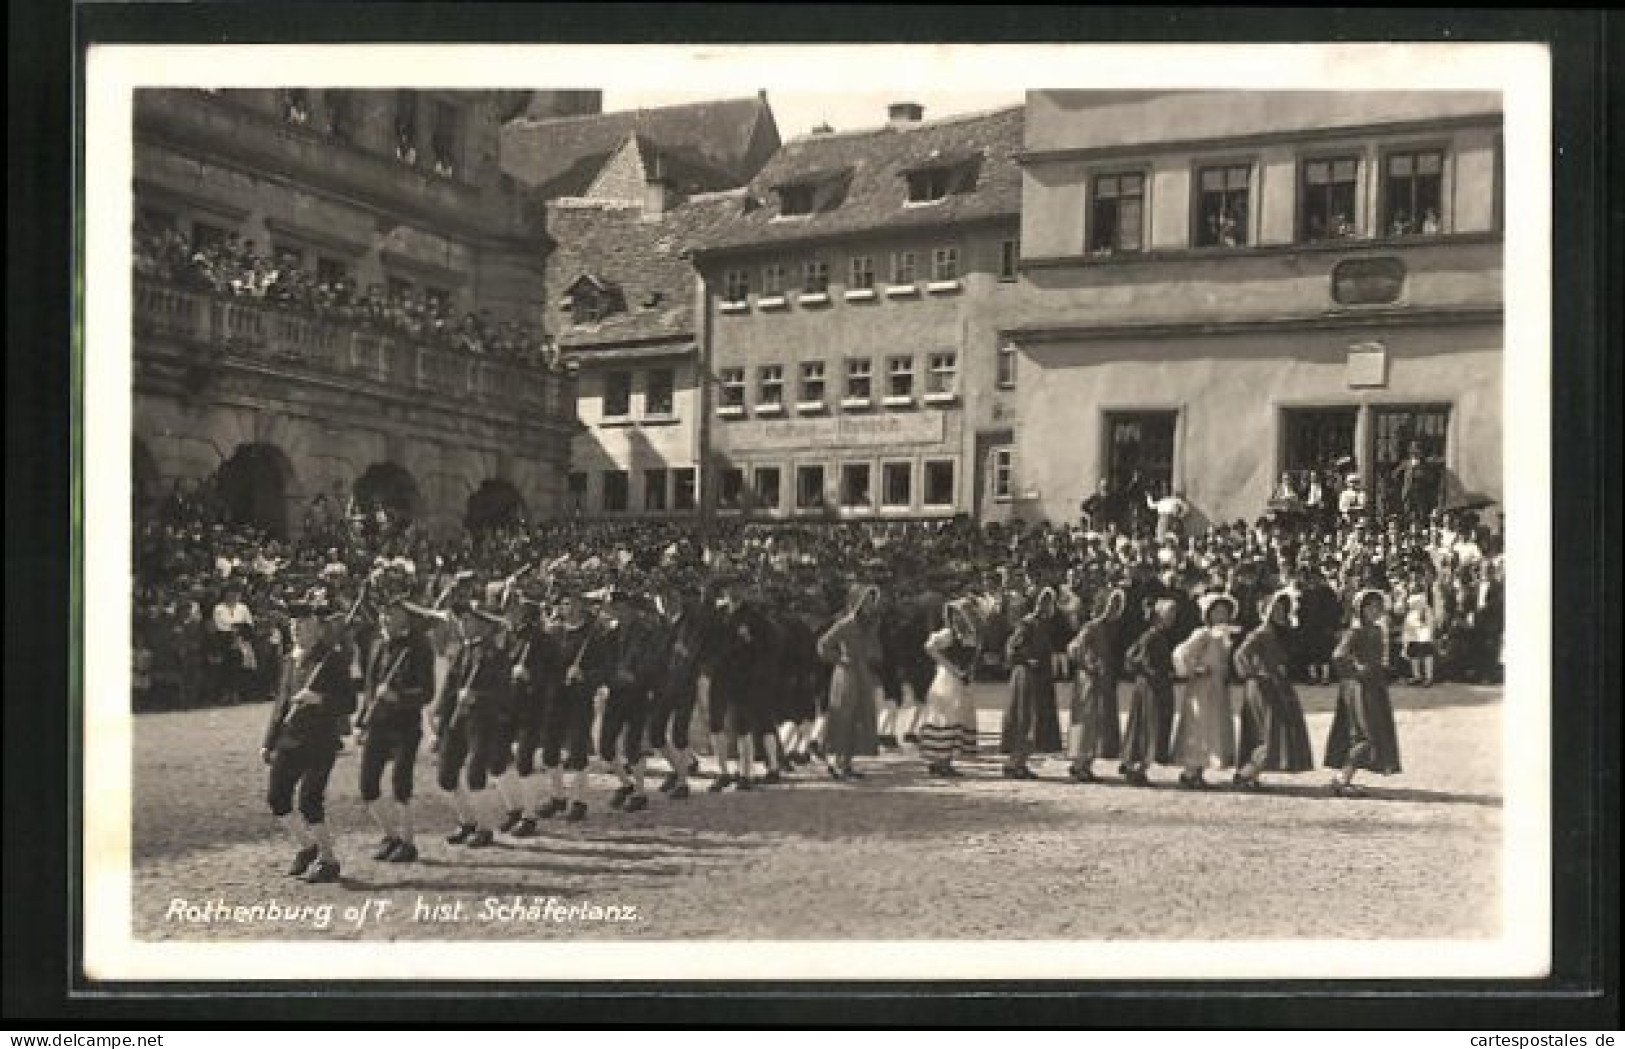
(540, 686)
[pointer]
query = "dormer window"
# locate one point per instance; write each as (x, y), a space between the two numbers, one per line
(930, 185)
(796, 200)
(591, 300)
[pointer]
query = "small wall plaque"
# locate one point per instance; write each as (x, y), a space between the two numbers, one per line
(1367, 365)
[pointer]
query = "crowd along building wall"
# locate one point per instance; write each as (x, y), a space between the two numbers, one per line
(398, 191)
(1222, 287)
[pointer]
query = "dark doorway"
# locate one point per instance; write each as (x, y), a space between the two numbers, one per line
(495, 504)
(252, 487)
(1140, 451)
(385, 486)
(1316, 439)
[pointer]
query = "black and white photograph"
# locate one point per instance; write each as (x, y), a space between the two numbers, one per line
(794, 512)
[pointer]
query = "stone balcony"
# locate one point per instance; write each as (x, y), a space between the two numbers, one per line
(356, 354)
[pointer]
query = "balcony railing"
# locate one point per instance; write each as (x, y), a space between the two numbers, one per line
(263, 331)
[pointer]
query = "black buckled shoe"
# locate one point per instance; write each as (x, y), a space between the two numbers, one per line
(385, 847)
(577, 813)
(512, 820)
(322, 873)
(618, 799)
(721, 783)
(302, 861)
(744, 783)
(773, 776)
(405, 852)
(481, 839)
(679, 792)
(669, 784)
(461, 835)
(552, 808)
(637, 803)
(525, 828)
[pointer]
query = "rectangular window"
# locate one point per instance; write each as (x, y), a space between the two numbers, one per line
(900, 377)
(765, 487)
(939, 482)
(796, 200)
(897, 485)
(1315, 440)
(731, 488)
(1117, 213)
(812, 382)
(1006, 378)
(1009, 259)
(654, 490)
(903, 268)
(1412, 193)
(683, 488)
(736, 286)
(855, 492)
(1140, 452)
(1327, 194)
(1396, 431)
(945, 264)
(944, 373)
(773, 279)
(615, 491)
(1221, 206)
(658, 395)
(732, 383)
(863, 273)
(929, 185)
(809, 487)
(1003, 472)
(815, 279)
(617, 394)
(770, 384)
(859, 379)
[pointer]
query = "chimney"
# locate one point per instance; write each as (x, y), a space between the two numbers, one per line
(658, 192)
(903, 114)
(823, 129)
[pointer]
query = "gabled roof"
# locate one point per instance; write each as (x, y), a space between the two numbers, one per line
(877, 196)
(709, 145)
(617, 244)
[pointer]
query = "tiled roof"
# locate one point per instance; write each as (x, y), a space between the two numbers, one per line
(709, 144)
(617, 245)
(876, 197)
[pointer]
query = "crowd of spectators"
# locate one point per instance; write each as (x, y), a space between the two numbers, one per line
(235, 266)
(211, 596)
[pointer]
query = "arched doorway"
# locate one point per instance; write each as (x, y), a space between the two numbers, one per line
(495, 504)
(389, 487)
(252, 488)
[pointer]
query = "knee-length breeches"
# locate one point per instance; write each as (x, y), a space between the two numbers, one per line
(305, 769)
(476, 747)
(390, 741)
(567, 728)
(671, 710)
(626, 712)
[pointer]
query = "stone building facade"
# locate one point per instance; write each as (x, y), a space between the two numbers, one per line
(393, 190)
(851, 317)
(1220, 288)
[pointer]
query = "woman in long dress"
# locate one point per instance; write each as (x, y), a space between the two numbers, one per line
(1031, 723)
(1094, 731)
(1362, 734)
(853, 648)
(1274, 737)
(949, 728)
(1151, 703)
(1205, 735)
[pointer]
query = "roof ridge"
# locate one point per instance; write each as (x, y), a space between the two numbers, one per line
(955, 118)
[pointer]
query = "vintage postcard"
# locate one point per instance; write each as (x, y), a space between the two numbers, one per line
(816, 512)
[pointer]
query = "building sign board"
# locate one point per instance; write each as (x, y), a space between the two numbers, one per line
(1367, 365)
(841, 430)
